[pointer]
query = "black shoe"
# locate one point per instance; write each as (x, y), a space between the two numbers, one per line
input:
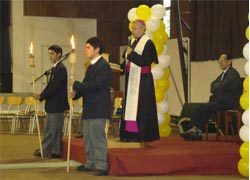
(130, 140)
(82, 168)
(55, 156)
(186, 137)
(37, 153)
(197, 138)
(101, 173)
(188, 133)
(192, 136)
(79, 136)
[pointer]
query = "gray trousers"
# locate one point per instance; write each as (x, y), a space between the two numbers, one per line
(95, 143)
(53, 134)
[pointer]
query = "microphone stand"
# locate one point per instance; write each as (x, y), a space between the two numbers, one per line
(47, 72)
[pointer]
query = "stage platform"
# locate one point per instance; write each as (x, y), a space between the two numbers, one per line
(168, 156)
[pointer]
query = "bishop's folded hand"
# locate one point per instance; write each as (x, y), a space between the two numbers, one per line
(72, 94)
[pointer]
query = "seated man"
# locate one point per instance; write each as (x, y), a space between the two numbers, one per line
(225, 93)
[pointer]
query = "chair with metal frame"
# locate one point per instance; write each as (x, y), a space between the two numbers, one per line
(113, 125)
(217, 124)
(12, 113)
(3, 115)
(26, 114)
(41, 114)
(76, 118)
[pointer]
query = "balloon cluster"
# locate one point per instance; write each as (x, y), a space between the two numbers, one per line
(243, 164)
(155, 30)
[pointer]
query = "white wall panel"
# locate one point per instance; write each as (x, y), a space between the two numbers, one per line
(44, 32)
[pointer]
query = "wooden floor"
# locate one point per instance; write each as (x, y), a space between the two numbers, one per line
(17, 163)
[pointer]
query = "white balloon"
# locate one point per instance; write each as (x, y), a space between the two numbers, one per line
(149, 34)
(246, 68)
(132, 14)
(157, 72)
(245, 117)
(161, 118)
(244, 133)
(158, 11)
(165, 49)
(152, 24)
(164, 60)
(162, 107)
(246, 51)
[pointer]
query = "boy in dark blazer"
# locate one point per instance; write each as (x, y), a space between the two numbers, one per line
(95, 90)
(55, 95)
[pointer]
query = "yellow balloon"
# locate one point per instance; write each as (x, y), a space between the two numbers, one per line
(166, 73)
(244, 100)
(165, 130)
(162, 84)
(246, 84)
(160, 37)
(143, 12)
(167, 119)
(159, 95)
(130, 26)
(159, 48)
(161, 27)
(244, 150)
(243, 167)
(155, 42)
(247, 33)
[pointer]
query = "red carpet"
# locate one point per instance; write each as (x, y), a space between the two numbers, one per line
(169, 156)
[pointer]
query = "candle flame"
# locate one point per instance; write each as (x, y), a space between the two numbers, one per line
(72, 41)
(31, 48)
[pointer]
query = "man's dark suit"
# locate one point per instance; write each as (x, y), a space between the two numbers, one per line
(55, 93)
(225, 95)
(95, 90)
(226, 92)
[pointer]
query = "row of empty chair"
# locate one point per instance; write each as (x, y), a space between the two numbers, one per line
(18, 114)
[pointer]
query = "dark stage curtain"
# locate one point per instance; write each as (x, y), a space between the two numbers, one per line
(218, 27)
(5, 53)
